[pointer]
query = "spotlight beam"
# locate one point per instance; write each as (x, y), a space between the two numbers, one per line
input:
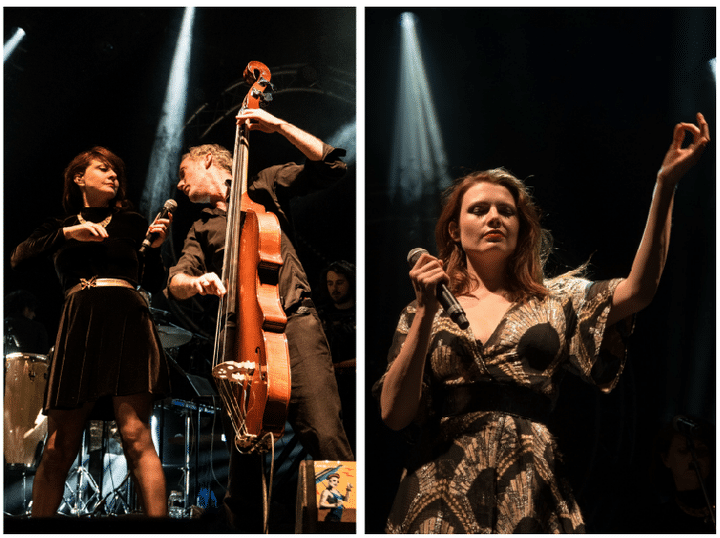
(419, 163)
(12, 44)
(164, 159)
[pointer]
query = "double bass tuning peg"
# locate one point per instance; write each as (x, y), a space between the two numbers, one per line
(263, 97)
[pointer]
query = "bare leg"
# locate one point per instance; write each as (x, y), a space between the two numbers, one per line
(132, 414)
(65, 429)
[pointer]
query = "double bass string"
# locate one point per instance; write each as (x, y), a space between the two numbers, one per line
(227, 315)
(227, 319)
(249, 352)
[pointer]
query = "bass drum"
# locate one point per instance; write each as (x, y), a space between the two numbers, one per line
(25, 427)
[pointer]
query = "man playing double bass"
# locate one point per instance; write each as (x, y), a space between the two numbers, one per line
(314, 408)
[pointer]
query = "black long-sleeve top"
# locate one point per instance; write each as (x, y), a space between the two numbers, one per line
(116, 257)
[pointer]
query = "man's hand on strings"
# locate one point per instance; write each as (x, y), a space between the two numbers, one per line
(209, 284)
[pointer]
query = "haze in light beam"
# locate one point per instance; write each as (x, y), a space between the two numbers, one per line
(419, 163)
(12, 43)
(164, 160)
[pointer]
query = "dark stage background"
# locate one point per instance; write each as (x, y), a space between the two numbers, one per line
(581, 103)
(98, 76)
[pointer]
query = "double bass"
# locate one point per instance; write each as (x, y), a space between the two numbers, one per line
(251, 365)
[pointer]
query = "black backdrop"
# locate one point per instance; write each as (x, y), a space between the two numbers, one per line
(581, 103)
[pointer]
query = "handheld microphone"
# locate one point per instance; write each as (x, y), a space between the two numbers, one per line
(169, 207)
(685, 426)
(447, 300)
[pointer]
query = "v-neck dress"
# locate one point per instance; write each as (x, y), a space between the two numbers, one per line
(486, 462)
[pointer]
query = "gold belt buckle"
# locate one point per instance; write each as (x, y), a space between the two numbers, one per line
(84, 284)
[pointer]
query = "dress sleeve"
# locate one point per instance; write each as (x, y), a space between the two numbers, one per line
(43, 242)
(401, 332)
(597, 352)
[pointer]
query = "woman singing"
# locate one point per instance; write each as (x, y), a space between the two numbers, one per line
(487, 462)
(108, 361)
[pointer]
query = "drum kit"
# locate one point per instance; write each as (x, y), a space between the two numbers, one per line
(96, 485)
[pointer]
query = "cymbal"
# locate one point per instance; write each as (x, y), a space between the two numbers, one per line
(173, 336)
(157, 311)
(179, 439)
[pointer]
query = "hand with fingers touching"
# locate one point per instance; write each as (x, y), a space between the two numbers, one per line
(678, 159)
(86, 232)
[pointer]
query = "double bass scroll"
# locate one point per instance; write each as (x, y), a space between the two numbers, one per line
(251, 364)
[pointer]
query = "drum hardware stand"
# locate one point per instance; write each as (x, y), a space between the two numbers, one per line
(80, 508)
(26, 503)
(120, 505)
(28, 509)
(186, 465)
(188, 408)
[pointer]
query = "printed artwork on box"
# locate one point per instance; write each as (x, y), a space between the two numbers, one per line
(334, 483)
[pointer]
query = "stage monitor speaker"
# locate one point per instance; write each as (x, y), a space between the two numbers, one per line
(326, 497)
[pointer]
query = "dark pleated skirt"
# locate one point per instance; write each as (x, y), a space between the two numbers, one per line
(107, 345)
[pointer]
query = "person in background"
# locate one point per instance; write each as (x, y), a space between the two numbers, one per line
(337, 311)
(685, 509)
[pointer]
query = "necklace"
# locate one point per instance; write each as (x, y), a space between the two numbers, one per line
(104, 223)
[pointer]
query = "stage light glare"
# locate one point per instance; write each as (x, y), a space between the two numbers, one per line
(155, 432)
(418, 163)
(407, 20)
(12, 43)
(164, 159)
(713, 68)
(345, 137)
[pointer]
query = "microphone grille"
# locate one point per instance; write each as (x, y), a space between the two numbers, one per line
(171, 205)
(414, 255)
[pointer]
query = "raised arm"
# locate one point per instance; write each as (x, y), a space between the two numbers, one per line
(637, 290)
(259, 119)
(402, 387)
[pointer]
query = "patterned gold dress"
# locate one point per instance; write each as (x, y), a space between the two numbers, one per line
(486, 462)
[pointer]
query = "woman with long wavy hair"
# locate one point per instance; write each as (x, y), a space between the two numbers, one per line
(487, 462)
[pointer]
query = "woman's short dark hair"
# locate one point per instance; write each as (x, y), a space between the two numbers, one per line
(72, 195)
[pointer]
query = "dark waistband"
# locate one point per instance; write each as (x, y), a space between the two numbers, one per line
(493, 396)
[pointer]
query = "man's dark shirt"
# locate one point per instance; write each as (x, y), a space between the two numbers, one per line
(273, 188)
